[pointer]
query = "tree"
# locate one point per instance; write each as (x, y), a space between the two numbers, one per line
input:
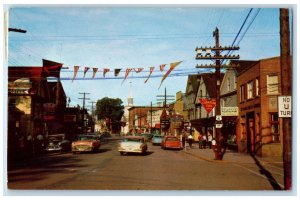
(110, 110)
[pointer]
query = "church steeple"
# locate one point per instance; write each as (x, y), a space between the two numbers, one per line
(130, 97)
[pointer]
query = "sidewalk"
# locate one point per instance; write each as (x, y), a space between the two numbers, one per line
(232, 157)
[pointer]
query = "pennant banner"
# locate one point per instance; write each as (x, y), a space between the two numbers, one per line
(117, 71)
(105, 70)
(172, 66)
(138, 70)
(76, 68)
(85, 70)
(162, 67)
(151, 70)
(128, 70)
(52, 70)
(94, 72)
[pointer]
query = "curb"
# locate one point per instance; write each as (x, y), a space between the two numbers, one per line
(206, 159)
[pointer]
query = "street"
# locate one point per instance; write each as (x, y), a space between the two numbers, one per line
(157, 170)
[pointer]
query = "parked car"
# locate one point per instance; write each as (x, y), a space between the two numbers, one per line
(58, 142)
(171, 142)
(147, 136)
(157, 139)
(86, 143)
(133, 144)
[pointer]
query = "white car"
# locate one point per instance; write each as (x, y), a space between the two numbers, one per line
(133, 144)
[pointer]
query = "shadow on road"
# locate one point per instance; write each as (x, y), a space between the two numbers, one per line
(265, 172)
(138, 154)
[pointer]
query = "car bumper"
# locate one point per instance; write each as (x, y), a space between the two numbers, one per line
(131, 150)
(82, 148)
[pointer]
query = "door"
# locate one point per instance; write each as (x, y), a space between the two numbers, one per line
(250, 133)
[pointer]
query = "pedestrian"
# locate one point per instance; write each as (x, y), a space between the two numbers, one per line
(190, 140)
(183, 136)
(209, 138)
(223, 143)
(204, 141)
(200, 139)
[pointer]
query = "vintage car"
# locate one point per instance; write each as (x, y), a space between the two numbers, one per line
(147, 136)
(171, 142)
(86, 143)
(133, 144)
(157, 139)
(57, 143)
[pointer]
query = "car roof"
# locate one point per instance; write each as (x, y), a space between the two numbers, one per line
(134, 137)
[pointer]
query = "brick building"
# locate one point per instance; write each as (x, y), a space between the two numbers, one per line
(258, 88)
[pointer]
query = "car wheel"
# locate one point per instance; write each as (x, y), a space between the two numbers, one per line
(121, 153)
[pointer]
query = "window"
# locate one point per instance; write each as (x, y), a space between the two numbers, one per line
(242, 94)
(234, 82)
(257, 91)
(272, 81)
(250, 90)
(274, 124)
(228, 84)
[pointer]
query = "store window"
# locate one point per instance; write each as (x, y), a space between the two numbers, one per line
(274, 124)
(250, 90)
(272, 84)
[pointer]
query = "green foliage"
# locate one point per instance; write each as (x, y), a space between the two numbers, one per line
(110, 108)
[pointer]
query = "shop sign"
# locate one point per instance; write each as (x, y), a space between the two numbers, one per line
(19, 87)
(219, 124)
(208, 104)
(229, 111)
(284, 106)
(69, 118)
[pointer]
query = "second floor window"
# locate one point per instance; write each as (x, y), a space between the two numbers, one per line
(257, 92)
(250, 90)
(242, 92)
(272, 84)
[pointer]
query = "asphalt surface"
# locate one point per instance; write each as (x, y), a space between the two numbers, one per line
(106, 171)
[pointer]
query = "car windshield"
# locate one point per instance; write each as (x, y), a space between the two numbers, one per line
(86, 137)
(132, 140)
(172, 139)
(158, 136)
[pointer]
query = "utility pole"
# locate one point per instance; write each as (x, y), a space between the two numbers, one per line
(217, 57)
(164, 119)
(83, 107)
(151, 117)
(286, 78)
(93, 115)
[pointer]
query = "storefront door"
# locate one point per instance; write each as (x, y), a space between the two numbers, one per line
(250, 133)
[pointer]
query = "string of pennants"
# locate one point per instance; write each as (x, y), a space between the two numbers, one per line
(128, 70)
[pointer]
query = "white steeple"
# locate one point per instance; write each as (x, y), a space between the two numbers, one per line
(130, 97)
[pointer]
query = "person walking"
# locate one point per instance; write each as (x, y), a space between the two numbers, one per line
(183, 136)
(200, 139)
(204, 141)
(209, 140)
(190, 140)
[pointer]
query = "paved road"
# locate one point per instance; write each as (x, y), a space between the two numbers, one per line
(158, 170)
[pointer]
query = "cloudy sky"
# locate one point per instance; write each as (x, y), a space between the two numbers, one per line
(135, 37)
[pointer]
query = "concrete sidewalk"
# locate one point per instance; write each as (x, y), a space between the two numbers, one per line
(232, 157)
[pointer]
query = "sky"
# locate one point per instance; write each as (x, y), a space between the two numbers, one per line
(135, 37)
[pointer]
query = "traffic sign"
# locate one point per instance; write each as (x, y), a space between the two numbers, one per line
(219, 117)
(284, 106)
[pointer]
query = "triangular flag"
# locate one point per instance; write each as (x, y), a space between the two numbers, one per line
(172, 66)
(52, 70)
(161, 67)
(85, 70)
(151, 70)
(138, 70)
(128, 70)
(117, 71)
(76, 68)
(105, 70)
(94, 72)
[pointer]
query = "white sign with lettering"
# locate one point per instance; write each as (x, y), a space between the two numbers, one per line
(284, 106)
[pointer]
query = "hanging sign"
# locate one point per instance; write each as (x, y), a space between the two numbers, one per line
(208, 104)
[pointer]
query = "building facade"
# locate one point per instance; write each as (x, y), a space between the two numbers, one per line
(258, 88)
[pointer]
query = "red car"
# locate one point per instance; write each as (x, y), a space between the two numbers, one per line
(171, 142)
